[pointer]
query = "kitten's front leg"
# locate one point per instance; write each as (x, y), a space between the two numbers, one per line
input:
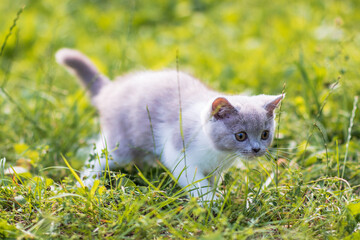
(95, 168)
(91, 172)
(198, 184)
(189, 175)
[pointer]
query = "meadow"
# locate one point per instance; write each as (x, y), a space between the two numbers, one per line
(307, 188)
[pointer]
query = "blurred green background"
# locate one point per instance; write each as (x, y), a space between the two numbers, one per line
(232, 46)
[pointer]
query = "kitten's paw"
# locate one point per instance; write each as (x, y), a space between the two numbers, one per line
(88, 182)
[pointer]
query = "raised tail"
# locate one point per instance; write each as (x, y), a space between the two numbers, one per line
(79, 65)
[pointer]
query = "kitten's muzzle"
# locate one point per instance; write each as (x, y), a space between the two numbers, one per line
(252, 154)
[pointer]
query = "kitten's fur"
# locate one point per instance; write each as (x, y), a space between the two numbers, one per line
(209, 123)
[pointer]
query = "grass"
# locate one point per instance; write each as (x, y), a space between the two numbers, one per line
(307, 188)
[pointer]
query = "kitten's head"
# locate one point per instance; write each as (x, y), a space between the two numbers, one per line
(244, 125)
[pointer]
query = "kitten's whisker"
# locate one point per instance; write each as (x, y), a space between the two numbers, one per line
(279, 156)
(284, 152)
(299, 146)
(284, 157)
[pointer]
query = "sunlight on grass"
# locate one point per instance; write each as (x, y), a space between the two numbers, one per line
(306, 188)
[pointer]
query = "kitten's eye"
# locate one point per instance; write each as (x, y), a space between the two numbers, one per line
(265, 135)
(241, 136)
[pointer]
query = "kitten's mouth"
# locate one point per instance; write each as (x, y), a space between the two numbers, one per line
(251, 155)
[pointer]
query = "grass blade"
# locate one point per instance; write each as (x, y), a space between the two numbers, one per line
(349, 133)
(73, 172)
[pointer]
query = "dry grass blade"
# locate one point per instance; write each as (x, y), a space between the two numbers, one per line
(349, 133)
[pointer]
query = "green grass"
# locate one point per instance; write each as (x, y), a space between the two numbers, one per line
(309, 189)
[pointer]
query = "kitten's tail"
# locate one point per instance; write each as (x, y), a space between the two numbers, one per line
(79, 65)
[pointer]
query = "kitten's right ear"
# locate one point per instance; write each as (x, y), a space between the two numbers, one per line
(275, 102)
(221, 108)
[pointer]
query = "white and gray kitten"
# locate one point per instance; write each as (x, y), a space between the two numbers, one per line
(214, 128)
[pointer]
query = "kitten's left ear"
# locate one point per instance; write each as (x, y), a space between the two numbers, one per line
(274, 103)
(222, 108)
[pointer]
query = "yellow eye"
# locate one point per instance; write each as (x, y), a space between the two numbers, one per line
(241, 136)
(265, 135)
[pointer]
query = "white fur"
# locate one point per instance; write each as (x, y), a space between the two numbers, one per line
(209, 142)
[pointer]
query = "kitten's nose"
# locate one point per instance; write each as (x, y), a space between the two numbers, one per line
(256, 150)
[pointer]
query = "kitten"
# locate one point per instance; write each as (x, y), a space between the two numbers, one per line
(140, 114)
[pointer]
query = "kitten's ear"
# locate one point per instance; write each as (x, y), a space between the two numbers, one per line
(274, 103)
(221, 108)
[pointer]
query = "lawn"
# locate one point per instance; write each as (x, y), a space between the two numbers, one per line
(308, 189)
